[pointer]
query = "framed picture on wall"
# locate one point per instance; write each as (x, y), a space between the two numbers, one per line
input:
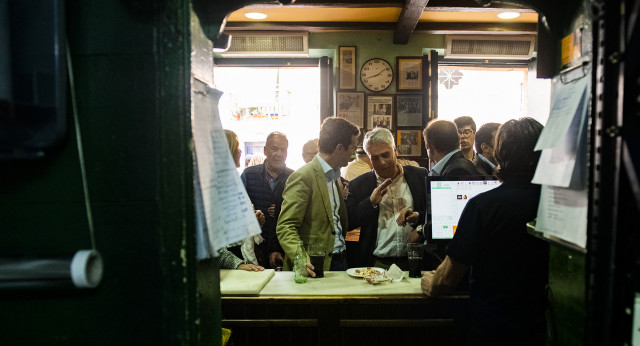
(409, 110)
(410, 73)
(347, 68)
(408, 142)
(380, 111)
(350, 105)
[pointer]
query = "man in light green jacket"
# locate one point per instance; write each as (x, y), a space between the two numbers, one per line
(313, 207)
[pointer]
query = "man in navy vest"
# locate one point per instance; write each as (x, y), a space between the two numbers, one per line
(264, 184)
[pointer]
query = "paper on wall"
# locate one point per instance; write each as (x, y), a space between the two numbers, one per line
(228, 211)
(565, 163)
(566, 102)
(562, 213)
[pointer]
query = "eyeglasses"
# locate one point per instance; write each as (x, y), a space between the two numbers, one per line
(465, 133)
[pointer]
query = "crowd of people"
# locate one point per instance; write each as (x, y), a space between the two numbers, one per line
(386, 200)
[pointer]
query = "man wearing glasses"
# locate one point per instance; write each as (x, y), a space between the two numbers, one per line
(467, 134)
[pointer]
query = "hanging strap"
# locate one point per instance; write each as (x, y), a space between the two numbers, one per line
(83, 169)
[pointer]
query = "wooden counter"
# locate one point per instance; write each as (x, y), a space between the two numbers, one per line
(341, 310)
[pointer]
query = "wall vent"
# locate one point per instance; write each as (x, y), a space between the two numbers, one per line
(489, 47)
(255, 44)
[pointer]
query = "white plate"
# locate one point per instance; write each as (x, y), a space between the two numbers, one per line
(352, 271)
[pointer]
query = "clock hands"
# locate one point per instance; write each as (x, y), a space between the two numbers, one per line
(375, 75)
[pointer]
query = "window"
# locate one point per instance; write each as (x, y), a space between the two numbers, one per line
(257, 101)
(491, 94)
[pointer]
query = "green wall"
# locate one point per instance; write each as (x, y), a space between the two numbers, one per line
(372, 44)
(131, 65)
(567, 294)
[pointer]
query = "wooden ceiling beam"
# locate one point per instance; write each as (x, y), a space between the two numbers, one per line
(409, 17)
(423, 27)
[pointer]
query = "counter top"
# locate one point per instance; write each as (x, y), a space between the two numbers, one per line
(338, 283)
(242, 282)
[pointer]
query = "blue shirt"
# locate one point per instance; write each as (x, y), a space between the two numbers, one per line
(272, 181)
(487, 161)
(332, 175)
(435, 171)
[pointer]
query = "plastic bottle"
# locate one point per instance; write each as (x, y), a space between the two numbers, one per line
(300, 265)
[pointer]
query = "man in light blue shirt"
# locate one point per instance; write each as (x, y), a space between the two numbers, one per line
(313, 207)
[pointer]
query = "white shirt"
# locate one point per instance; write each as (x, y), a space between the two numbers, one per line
(392, 239)
(335, 196)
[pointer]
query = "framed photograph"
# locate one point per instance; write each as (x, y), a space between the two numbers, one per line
(409, 110)
(408, 142)
(350, 105)
(409, 73)
(380, 110)
(347, 68)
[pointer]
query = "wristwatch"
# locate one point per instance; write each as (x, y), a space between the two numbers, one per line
(420, 230)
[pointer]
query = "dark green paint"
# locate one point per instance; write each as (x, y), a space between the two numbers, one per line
(132, 70)
(567, 295)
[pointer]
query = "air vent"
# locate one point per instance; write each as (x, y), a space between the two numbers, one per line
(489, 47)
(268, 44)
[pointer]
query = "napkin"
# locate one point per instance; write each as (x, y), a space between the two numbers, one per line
(248, 248)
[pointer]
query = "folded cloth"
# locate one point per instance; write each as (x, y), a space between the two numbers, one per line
(248, 248)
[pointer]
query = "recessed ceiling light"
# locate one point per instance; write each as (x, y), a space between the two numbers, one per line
(255, 15)
(508, 15)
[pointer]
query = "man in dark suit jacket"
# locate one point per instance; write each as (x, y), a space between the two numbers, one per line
(485, 144)
(441, 141)
(387, 204)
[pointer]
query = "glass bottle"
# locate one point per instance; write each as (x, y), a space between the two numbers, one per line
(300, 265)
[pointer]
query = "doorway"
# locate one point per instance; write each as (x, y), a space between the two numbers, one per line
(260, 100)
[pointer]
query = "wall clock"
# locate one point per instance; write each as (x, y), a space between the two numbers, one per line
(376, 74)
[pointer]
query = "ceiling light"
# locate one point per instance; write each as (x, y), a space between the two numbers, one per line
(508, 15)
(255, 15)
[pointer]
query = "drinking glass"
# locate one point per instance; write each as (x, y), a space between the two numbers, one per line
(316, 256)
(414, 252)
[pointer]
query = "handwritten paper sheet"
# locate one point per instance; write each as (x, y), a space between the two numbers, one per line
(228, 211)
(563, 213)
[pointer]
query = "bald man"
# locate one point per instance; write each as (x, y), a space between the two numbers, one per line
(442, 144)
(309, 150)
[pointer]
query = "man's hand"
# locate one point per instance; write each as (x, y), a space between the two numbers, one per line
(271, 210)
(378, 192)
(250, 267)
(407, 216)
(275, 259)
(414, 237)
(260, 217)
(425, 283)
(445, 279)
(310, 270)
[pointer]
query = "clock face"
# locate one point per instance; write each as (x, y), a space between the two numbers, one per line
(376, 74)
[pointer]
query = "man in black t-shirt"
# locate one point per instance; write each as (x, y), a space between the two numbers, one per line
(509, 268)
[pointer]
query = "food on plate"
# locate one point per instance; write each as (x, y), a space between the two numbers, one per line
(367, 272)
(375, 279)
